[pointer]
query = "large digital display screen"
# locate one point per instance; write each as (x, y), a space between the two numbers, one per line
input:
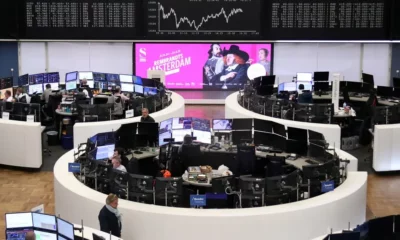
(202, 66)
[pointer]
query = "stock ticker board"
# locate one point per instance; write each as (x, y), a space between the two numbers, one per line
(200, 19)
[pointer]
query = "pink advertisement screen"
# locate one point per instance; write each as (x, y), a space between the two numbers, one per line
(203, 66)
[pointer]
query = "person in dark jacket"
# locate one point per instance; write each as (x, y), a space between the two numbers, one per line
(146, 117)
(304, 95)
(110, 217)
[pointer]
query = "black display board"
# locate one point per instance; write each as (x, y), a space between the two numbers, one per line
(396, 20)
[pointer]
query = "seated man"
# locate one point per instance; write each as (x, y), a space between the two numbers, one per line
(116, 162)
(22, 97)
(305, 96)
(8, 97)
(118, 152)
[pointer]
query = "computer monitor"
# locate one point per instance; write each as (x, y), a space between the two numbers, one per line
(316, 151)
(53, 77)
(279, 129)
(354, 86)
(70, 86)
(166, 125)
(321, 76)
(45, 235)
(312, 135)
(321, 86)
(17, 234)
(162, 136)
(127, 87)
(86, 75)
(252, 185)
(396, 82)
(99, 77)
(138, 89)
(183, 122)
(368, 78)
(242, 124)
(201, 124)
(36, 88)
(239, 137)
(105, 152)
(44, 221)
(384, 91)
(140, 183)
(149, 129)
(19, 220)
(307, 85)
(396, 92)
(23, 80)
(112, 79)
(126, 135)
(147, 82)
(267, 80)
(71, 76)
(262, 125)
(171, 185)
(54, 86)
(149, 91)
(124, 78)
(222, 124)
(105, 138)
(304, 77)
(179, 134)
(287, 86)
(202, 136)
(137, 80)
(262, 138)
(297, 134)
(36, 78)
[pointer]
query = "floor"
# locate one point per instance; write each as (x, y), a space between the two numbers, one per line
(22, 190)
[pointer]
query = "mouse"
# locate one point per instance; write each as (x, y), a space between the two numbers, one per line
(137, 152)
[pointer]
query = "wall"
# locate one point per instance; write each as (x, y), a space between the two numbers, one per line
(8, 60)
(349, 59)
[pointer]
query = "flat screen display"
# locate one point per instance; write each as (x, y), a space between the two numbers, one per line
(38, 88)
(65, 228)
(137, 80)
(19, 220)
(138, 89)
(43, 221)
(148, 91)
(53, 77)
(304, 77)
(99, 77)
(45, 235)
(163, 136)
(202, 136)
(36, 78)
(17, 234)
(85, 75)
(201, 124)
(287, 86)
(123, 78)
(179, 134)
(180, 123)
(166, 125)
(222, 124)
(71, 76)
(127, 87)
(70, 86)
(202, 66)
(23, 80)
(104, 152)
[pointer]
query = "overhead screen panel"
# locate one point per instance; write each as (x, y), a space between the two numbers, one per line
(202, 66)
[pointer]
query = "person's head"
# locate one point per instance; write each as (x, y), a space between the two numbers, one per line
(187, 139)
(7, 94)
(301, 87)
(30, 236)
(145, 112)
(215, 50)
(263, 54)
(112, 200)
(84, 81)
(118, 152)
(230, 59)
(116, 161)
(118, 89)
(20, 91)
(48, 86)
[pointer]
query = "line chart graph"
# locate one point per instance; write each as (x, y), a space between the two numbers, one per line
(204, 17)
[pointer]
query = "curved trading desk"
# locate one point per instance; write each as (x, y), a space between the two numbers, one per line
(88, 233)
(21, 144)
(82, 131)
(302, 220)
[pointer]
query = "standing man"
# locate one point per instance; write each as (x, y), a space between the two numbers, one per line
(46, 93)
(86, 89)
(22, 97)
(146, 117)
(110, 217)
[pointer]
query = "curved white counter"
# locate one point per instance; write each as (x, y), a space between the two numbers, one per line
(20, 144)
(302, 220)
(386, 147)
(234, 110)
(83, 131)
(88, 233)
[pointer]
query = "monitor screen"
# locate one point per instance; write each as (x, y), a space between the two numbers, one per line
(17, 234)
(262, 125)
(354, 86)
(45, 235)
(53, 77)
(43, 221)
(104, 152)
(65, 228)
(321, 86)
(138, 89)
(242, 124)
(163, 136)
(384, 91)
(201, 124)
(288, 86)
(166, 125)
(150, 91)
(202, 136)
(38, 88)
(125, 78)
(23, 80)
(86, 75)
(18, 220)
(179, 134)
(147, 82)
(368, 78)
(180, 123)
(307, 85)
(71, 76)
(112, 78)
(70, 86)
(61, 238)
(127, 87)
(54, 86)
(36, 78)
(307, 77)
(99, 77)
(137, 80)
(321, 76)
(222, 124)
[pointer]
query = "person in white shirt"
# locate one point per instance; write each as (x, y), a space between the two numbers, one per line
(46, 93)
(116, 162)
(8, 97)
(20, 94)
(85, 91)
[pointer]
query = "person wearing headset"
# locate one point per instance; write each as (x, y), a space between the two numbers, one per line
(110, 217)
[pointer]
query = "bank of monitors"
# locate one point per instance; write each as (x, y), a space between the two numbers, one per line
(45, 235)
(202, 136)
(112, 79)
(71, 76)
(222, 124)
(262, 125)
(304, 77)
(182, 123)
(70, 86)
(137, 80)
(354, 86)
(297, 134)
(386, 92)
(321, 76)
(126, 135)
(147, 82)
(149, 91)
(242, 124)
